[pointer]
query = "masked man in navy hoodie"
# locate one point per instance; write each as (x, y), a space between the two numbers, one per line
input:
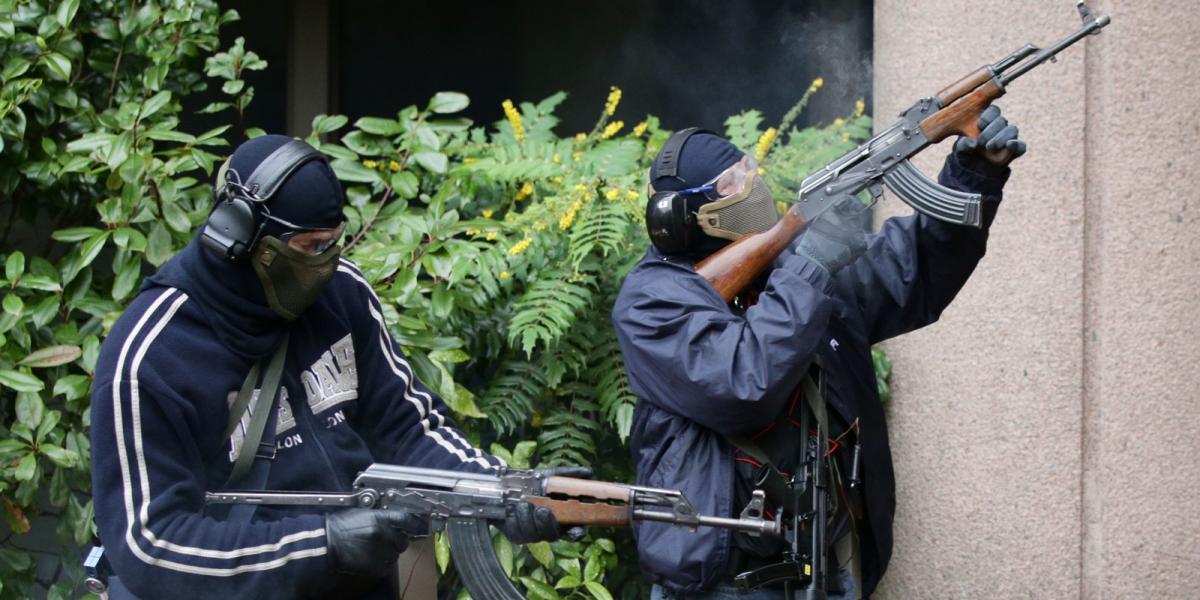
(261, 300)
(721, 386)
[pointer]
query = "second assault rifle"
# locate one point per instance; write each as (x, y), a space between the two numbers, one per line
(883, 160)
(464, 503)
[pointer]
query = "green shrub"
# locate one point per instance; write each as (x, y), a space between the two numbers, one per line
(497, 252)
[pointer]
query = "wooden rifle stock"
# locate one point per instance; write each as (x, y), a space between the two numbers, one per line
(733, 267)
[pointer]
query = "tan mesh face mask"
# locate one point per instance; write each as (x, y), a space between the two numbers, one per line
(750, 211)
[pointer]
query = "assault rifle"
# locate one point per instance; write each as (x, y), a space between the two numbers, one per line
(463, 503)
(884, 160)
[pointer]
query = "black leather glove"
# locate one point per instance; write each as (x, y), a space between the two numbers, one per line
(528, 523)
(987, 154)
(367, 542)
(836, 237)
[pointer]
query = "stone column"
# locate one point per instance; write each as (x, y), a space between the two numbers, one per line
(1045, 429)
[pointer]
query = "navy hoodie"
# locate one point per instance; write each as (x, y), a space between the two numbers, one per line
(167, 375)
(702, 371)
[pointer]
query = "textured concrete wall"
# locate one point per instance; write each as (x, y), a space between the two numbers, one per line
(1044, 429)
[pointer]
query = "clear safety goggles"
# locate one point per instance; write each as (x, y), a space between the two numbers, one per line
(729, 182)
(312, 241)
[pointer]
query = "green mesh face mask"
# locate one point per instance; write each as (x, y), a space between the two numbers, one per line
(292, 279)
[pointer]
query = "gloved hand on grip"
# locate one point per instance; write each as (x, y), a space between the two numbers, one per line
(997, 145)
(368, 542)
(836, 238)
(528, 523)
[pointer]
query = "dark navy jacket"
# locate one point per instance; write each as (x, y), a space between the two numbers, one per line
(702, 372)
(164, 384)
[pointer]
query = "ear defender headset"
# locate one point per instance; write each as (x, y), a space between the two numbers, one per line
(240, 210)
(672, 227)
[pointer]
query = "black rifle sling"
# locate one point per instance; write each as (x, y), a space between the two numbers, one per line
(258, 415)
(770, 480)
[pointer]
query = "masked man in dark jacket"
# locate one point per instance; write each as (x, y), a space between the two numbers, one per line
(711, 375)
(262, 280)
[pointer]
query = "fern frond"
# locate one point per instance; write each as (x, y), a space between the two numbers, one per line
(547, 310)
(567, 436)
(611, 387)
(509, 399)
(603, 230)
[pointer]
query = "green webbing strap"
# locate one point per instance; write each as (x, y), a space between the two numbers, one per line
(243, 400)
(260, 413)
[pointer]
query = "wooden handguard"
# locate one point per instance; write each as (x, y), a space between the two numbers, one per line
(586, 488)
(732, 268)
(962, 117)
(574, 512)
(963, 86)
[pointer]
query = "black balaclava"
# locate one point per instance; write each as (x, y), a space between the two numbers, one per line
(229, 294)
(701, 159)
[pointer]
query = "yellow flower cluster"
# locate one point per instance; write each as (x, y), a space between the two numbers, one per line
(580, 137)
(521, 246)
(470, 160)
(539, 225)
(611, 129)
(370, 164)
(764, 143)
(557, 159)
(632, 195)
(393, 166)
(514, 118)
(860, 107)
(474, 231)
(568, 219)
(613, 194)
(614, 98)
(488, 212)
(816, 85)
(491, 235)
(838, 122)
(639, 129)
(504, 275)
(526, 190)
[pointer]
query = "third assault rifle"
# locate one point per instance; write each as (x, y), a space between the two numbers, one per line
(883, 160)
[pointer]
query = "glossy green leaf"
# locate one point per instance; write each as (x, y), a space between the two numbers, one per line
(30, 409)
(405, 184)
(14, 265)
(13, 305)
(26, 468)
(59, 456)
(52, 356)
(538, 590)
(441, 551)
(40, 282)
(541, 552)
(448, 102)
(75, 234)
(504, 553)
(378, 126)
(21, 382)
(597, 590)
(327, 123)
(432, 161)
(92, 247)
(57, 64)
(154, 103)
